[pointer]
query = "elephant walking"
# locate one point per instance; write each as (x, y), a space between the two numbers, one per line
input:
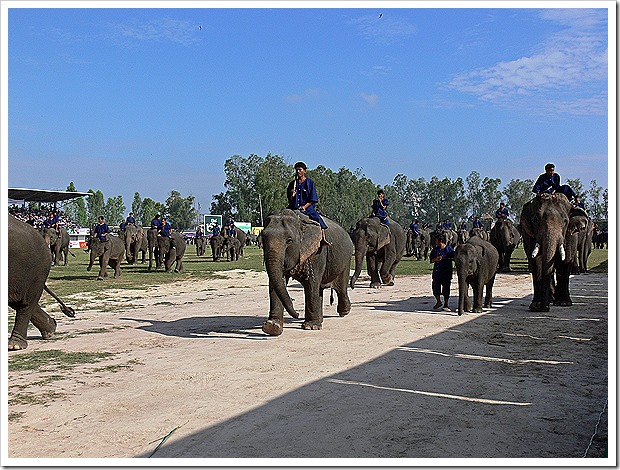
(505, 237)
(110, 253)
(476, 263)
(547, 221)
(169, 254)
(382, 245)
(232, 247)
(134, 238)
(216, 242)
(418, 245)
(292, 248)
(153, 247)
(29, 263)
(58, 243)
(201, 244)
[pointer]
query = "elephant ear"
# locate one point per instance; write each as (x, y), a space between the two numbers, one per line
(310, 239)
(525, 222)
(578, 221)
(383, 237)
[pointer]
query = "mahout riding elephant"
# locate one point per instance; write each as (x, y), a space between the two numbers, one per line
(241, 236)
(168, 254)
(110, 253)
(418, 245)
(547, 221)
(201, 245)
(59, 244)
(232, 246)
(479, 232)
(382, 245)
(476, 264)
(134, 237)
(153, 247)
(29, 263)
(504, 236)
(216, 242)
(292, 248)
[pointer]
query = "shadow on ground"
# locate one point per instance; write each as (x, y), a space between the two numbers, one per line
(521, 385)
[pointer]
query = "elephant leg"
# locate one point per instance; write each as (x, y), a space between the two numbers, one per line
(373, 270)
(116, 264)
(477, 287)
(340, 286)
(102, 268)
(562, 293)
(20, 329)
(388, 268)
(275, 323)
(313, 306)
(467, 301)
(43, 322)
(488, 299)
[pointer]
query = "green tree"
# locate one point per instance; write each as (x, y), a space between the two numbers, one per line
(150, 209)
(76, 208)
(594, 203)
(220, 205)
(181, 210)
(114, 210)
(444, 199)
(240, 176)
(270, 181)
(576, 185)
(516, 193)
(136, 208)
(94, 206)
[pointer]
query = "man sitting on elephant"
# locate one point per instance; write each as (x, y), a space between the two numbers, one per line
(102, 230)
(502, 212)
(549, 182)
(166, 231)
(302, 196)
(379, 207)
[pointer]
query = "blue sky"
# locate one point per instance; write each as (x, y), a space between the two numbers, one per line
(154, 99)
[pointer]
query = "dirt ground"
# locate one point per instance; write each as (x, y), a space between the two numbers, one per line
(393, 379)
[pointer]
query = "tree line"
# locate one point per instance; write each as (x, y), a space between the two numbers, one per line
(256, 186)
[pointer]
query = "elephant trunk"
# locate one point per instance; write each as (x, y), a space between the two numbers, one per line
(360, 253)
(275, 271)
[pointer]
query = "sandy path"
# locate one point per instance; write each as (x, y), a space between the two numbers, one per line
(393, 379)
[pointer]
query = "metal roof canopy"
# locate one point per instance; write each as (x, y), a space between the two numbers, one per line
(43, 195)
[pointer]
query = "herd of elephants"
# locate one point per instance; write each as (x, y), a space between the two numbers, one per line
(557, 238)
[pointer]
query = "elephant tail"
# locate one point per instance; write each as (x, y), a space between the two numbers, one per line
(331, 296)
(66, 310)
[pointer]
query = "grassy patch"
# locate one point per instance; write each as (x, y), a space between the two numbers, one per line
(35, 399)
(53, 359)
(15, 416)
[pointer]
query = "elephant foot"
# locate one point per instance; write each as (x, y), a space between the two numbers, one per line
(272, 327)
(563, 303)
(344, 314)
(539, 307)
(47, 334)
(16, 343)
(311, 325)
(375, 285)
(477, 310)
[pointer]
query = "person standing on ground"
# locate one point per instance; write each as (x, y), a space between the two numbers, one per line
(442, 256)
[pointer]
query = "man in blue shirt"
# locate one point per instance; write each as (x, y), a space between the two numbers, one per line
(415, 228)
(502, 212)
(302, 196)
(478, 223)
(549, 182)
(442, 256)
(156, 223)
(102, 230)
(216, 229)
(379, 207)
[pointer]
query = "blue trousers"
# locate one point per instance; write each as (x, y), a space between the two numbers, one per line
(314, 215)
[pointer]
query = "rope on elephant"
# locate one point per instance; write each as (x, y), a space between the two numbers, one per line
(165, 439)
(600, 416)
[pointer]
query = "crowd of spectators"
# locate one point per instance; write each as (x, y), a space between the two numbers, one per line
(37, 217)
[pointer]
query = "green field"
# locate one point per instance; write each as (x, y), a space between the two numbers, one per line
(74, 278)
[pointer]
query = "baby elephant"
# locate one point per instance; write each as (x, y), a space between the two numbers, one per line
(476, 263)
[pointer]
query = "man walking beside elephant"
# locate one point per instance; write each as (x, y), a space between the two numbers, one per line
(442, 256)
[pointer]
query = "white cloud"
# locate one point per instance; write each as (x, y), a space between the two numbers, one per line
(372, 100)
(568, 64)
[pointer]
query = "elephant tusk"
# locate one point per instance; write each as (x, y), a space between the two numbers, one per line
(536, 249)
(562, 252)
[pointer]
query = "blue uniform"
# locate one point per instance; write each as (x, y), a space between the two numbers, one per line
(478, 224)
(156, 223)
(415, 229)
(548, 184)
(232, 232)
(131, 220)
(101, 231)
(216, 230)
(501, 213)
(165, 230)
(442, 270)
(305, 193)
(379, 211)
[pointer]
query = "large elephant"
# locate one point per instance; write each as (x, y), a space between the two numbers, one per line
(58, 243)
(153, 247)
(479, 232)
(133, 236)
(110, 253)
(168, 254)
(418, 245)
(216, 242)
(29, 262)
(201, 245)
(476, 264)
(462, 236)
(547, 221)
(232, 246)
(241, 236)
(504, 236)
(382, 245)
(292, 248)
